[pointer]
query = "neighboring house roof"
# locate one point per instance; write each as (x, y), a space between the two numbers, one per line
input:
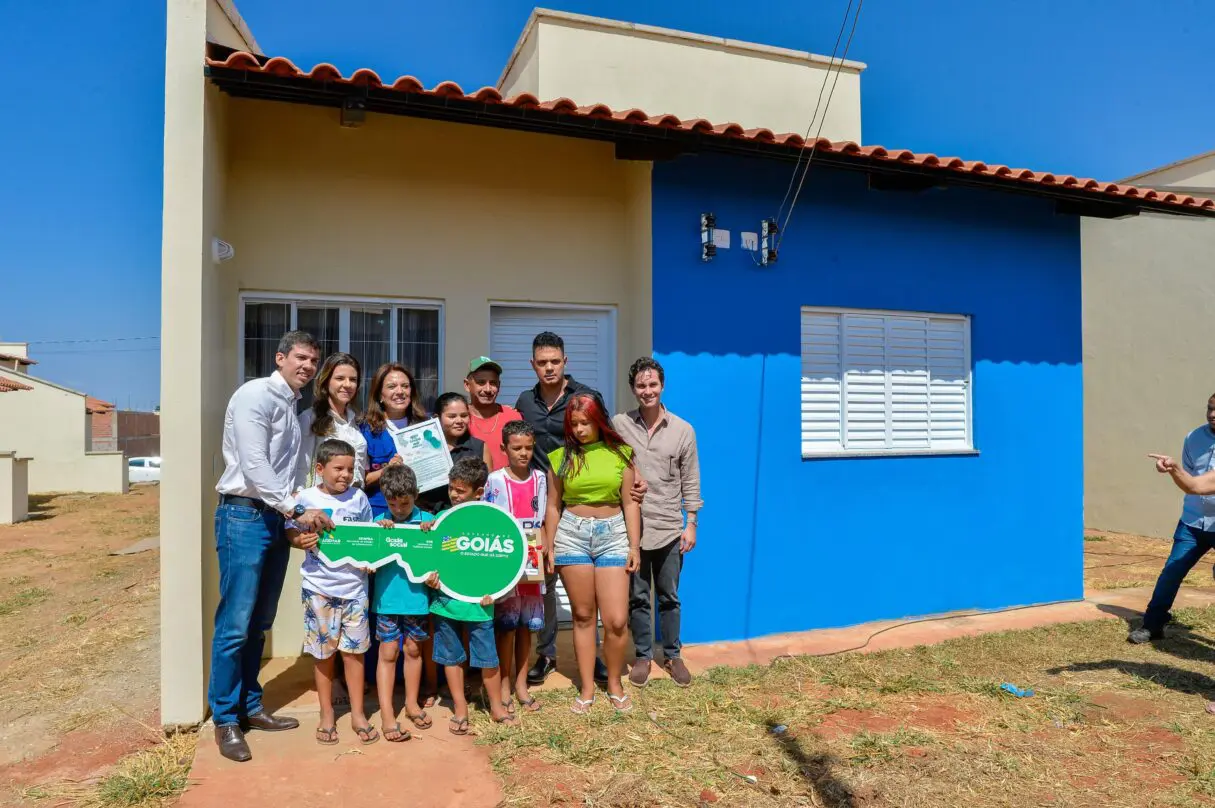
(277, 78)
(12, 385)
(96, 405)
(21, 360)
(35, 381)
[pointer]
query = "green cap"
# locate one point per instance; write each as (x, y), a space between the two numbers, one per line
(483, 362)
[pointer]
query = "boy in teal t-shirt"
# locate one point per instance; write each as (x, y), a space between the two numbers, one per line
(402, 610)
(451, 617)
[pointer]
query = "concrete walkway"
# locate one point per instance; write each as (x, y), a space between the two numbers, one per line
(291, 768)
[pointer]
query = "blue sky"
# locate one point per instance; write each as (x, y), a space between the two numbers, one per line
(1102, 88)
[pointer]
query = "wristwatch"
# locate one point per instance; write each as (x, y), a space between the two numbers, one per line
(692, 518)
(296, 512)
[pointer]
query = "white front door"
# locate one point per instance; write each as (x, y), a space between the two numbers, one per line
(590, 344)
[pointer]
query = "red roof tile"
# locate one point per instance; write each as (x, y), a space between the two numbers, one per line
(96, 405)
(280, 66)
(8, 385)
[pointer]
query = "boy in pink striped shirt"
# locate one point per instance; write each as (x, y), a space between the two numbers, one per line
(522, 491)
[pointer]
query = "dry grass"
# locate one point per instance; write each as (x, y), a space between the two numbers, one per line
(1110, 724)
(1123, 561)
(154, 777)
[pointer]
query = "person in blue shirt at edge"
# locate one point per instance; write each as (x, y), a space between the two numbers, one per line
(1195, 533)
(402, 610)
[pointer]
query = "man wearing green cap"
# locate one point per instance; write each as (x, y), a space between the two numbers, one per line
(483, 382)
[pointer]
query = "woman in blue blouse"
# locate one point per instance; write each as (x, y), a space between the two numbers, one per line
(392, 405)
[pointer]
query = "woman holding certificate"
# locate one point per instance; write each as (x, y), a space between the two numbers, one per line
(592, 531)
(391, 407)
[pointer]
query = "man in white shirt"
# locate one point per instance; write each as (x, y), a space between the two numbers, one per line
(260, 449)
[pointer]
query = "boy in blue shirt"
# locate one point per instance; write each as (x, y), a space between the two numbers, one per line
(402, 610)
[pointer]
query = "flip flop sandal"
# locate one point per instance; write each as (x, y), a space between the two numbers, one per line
(431, 700)
(622, 703)
(368, 735)
(581, 706)
(509, 720)
(326, 736)
(509, 706)
(395, 734)
(420, 720)
(457, 726)
(531, 705)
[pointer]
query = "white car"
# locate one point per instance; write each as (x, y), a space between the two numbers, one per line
(143, 469)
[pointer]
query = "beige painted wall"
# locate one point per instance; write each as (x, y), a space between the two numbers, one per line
(1149, 367)
(1196, 173)
(225, 26)
(190, 385)
(624, 65)
(420, 209)
(49, 424)
(14, 488)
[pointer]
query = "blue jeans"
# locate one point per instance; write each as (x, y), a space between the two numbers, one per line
(1189, 546)
(253, 550)
(449, 643)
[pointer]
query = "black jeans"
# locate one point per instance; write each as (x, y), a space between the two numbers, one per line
(663, 566)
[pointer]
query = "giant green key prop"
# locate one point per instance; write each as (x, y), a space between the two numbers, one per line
(477, 549)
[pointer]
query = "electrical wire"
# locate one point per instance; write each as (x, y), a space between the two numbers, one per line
(935, 619)
(806, 139)
(81, 341)
(814, 148)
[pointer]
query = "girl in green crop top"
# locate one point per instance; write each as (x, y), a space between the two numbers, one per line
(591, 533)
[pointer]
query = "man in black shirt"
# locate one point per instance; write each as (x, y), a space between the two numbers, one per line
(543, 406)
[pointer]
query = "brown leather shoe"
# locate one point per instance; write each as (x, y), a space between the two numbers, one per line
(678, 671)
(231, 743)
(639, 675)
(270, 723)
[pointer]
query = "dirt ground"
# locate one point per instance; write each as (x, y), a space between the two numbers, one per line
(923, 727)
(1122, 561)
(79, 684)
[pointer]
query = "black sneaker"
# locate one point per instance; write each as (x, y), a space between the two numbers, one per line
(540, 671)
(601, 676)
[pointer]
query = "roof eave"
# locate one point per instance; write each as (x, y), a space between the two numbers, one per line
(665, 141)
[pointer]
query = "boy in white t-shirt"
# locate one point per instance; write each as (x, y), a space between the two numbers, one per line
(523, 492)
(335, 598)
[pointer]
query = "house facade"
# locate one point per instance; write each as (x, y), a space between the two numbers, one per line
(49, 428)
(431, 225)
(1151, 275)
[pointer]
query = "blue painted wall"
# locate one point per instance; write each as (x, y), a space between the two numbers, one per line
(788, 544)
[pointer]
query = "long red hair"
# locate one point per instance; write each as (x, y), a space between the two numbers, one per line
(575, 453)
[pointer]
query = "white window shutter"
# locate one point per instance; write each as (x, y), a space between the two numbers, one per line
(949, 368)
(884, 382)
(822, 410)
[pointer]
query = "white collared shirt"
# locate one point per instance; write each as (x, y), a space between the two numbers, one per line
(261, 442)
(340, 429)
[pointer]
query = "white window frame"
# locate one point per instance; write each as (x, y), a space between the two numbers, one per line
(841, 312)
(343, 303)
(608, 390)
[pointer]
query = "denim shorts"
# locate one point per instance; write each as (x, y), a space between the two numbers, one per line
(585, 540)
(519, 611)
(334, 624)
(449, 643)
(392, 627)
